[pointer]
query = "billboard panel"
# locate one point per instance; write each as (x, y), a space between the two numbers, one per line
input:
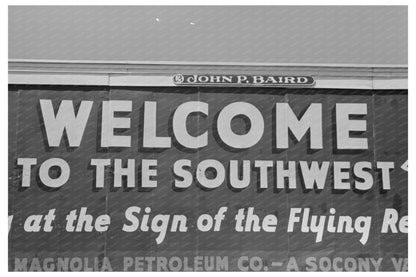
(207, 179)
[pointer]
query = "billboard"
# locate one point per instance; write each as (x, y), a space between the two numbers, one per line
(207, 179)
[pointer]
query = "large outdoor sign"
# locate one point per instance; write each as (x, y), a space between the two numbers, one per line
(207, 178)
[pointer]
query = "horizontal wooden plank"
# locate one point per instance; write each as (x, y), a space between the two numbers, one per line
(161, 73)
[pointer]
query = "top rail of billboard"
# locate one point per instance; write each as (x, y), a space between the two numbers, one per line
(130, 73)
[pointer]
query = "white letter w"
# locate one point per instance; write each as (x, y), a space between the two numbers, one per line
(65, 119)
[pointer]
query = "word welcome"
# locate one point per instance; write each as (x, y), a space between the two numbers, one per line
(73, 124)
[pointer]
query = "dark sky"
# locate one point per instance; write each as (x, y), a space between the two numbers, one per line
(270, 34)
